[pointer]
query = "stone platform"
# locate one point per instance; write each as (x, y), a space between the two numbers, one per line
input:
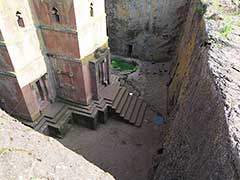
(114, 100)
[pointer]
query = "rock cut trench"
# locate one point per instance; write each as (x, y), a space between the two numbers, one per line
(201, 137)
(196, 90)
(118, 147)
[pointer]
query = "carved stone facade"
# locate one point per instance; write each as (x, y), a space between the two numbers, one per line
(51, 49)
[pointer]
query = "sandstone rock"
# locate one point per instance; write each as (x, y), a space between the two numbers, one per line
(202, 139)
(145, 29)
(28, 155)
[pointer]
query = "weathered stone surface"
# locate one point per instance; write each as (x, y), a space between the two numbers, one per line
(150, 26)
(203, 137)
(28, 155)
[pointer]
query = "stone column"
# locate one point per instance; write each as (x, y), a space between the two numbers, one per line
(108, 62)
(94, 79)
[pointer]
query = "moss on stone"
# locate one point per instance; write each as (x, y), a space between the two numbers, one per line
(122, 65)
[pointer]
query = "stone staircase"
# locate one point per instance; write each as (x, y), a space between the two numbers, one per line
(130, 107)
(55, 120)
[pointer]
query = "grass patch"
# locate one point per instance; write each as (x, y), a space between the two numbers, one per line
(201, 8)
(227, 27)
(226, 30)
(122, 65)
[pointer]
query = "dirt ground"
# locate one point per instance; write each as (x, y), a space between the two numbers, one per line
(119, 148)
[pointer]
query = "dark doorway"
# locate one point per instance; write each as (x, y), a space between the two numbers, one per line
(130, 49)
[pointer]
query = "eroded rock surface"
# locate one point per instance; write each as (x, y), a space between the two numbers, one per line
(145, 29)
(28, 155)
(202, 141)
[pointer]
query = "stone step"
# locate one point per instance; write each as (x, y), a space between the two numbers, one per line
(59, 115)
(109, 93)
(52, 109)
(40, 124)
(60, 128)
(131, 108)
(71, 104)
(61, 121)
(101, 104)
(122, 102)
(136, 111)
(32, 124)
(44, 128)
(108, 103)
(83, 108)
(84, 113)
(89, 121)
(126, 106)
(118, 97)
(141, 114)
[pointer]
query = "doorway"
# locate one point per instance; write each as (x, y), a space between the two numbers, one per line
(41, 91)
(130, 50)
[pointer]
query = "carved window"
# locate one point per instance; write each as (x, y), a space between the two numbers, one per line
(20, 20)
(91, 10)
(55, 15)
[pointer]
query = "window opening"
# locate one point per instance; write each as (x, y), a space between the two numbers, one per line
(20, 20)
(91, 10)
(55, 15)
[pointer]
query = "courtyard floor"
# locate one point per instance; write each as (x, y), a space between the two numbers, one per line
(119, 148)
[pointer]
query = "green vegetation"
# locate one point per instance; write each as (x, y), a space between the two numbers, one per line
(227, 17)
(226, 30)
(122, 65)
(227, 27)
(201, 8)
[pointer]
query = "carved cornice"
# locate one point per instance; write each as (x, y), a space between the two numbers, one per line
(61, 29)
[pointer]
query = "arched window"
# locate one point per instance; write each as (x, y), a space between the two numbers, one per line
(55, 15)
(91, 10)
(20, 19)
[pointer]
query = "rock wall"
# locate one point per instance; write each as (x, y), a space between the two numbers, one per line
(202, 138)
(26, 154)
(145, 29)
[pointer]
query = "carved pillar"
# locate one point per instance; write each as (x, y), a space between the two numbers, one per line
(94, 79)
(108, 63)
(102, 73)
